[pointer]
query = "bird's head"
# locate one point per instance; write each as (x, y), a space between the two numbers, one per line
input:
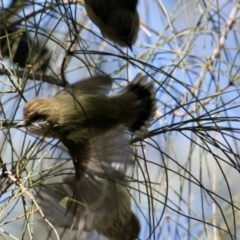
(37, 118)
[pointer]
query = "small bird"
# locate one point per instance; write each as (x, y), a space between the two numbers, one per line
(118, 20)
(83, 111)
(92, 125)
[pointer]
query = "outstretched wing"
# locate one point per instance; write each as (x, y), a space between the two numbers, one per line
(103, 205)
(111, 154)
(93, 85)
(107, 155)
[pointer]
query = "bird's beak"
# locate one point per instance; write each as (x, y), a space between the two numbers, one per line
(21, 124)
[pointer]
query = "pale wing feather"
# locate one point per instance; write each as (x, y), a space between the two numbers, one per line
(111, 154)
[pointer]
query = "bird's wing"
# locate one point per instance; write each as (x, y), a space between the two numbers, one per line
(94, 85)
(105, 155)
(88, 201)
(100, 205)
(52, 199)
(111, 155)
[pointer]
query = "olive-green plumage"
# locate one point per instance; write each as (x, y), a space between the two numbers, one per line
(84, 110)
(92, 125)
(118, 20)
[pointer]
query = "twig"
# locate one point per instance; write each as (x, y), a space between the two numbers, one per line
(25, 190)
(39, 77)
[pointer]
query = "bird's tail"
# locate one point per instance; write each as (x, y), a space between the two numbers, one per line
(137, 104)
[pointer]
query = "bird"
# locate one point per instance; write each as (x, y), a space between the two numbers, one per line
(94, 126)
(84, 110)
(118, 20)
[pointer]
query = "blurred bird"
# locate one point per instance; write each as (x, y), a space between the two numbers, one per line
(118, 20)
(83, 111)
(92, 125)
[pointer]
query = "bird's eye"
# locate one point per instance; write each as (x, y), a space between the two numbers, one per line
(38, 117)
